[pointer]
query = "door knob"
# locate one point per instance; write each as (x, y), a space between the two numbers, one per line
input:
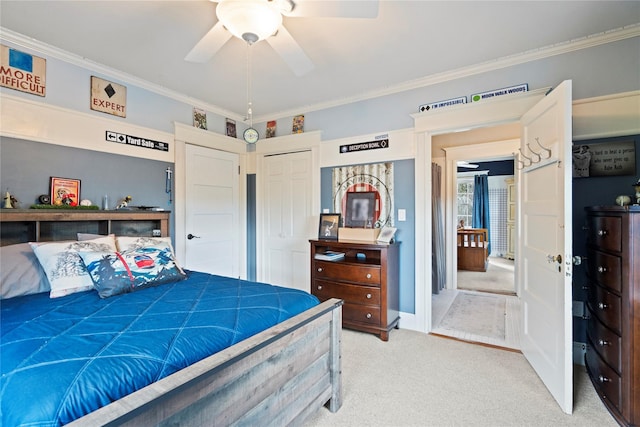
(557, 258)
(191, 236)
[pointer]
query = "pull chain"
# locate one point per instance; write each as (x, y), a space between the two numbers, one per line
(249, 104)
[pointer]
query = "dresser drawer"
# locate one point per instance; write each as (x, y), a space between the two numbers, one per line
(605, 232)
(607, 382)
(349, 293)
(345, 272)
(606, 343)
(606, 306)
(361, 313)
(606, 269)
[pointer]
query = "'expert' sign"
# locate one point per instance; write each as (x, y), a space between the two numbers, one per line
(108, 97)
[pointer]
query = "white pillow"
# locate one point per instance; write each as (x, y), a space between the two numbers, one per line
(64, 267)
(127, 244)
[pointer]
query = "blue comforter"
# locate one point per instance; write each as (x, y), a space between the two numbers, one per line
(63, 358)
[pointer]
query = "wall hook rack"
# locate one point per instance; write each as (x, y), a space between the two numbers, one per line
(544, 148)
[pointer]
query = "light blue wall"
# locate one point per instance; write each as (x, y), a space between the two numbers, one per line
(597, 71)
(404, 172)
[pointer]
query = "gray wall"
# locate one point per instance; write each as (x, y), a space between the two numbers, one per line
(26, 166)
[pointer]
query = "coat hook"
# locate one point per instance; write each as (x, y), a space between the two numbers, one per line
(545, 149)
(528, 158)
(536, 154)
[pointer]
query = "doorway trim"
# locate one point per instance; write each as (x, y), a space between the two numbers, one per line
(473, 153)
(507, 109)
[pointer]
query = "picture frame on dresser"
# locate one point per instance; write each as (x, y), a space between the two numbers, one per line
(328, 227)
(360, 209)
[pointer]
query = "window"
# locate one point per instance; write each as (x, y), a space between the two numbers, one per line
(465, 201)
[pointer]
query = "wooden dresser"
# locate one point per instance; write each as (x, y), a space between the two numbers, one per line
(613, 331)
(366, 279)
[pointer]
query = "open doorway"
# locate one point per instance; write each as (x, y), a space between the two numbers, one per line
(485, 207)
(479, 302)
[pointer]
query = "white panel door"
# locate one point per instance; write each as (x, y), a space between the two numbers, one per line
(545, 253)
(212, 211)
(286, 211)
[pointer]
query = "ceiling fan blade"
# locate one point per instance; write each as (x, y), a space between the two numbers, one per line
(209, 44)
(334, 9)
(291, 52)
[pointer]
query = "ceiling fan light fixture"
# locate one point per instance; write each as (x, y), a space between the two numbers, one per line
(249, 20)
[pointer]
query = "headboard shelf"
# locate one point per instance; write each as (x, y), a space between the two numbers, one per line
(32, 225)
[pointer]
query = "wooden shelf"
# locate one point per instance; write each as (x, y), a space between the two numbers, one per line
(34, 225)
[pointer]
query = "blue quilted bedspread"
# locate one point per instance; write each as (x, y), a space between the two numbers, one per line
(65, 357)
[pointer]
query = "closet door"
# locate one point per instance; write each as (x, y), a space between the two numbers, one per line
(284, 214)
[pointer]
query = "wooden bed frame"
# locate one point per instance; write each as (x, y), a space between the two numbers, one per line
(472, 249)
(277, 377)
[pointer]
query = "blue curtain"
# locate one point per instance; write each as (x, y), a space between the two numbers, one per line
(480, 216)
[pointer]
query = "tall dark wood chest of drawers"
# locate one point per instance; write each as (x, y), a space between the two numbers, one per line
(366, 279)
(613, 331)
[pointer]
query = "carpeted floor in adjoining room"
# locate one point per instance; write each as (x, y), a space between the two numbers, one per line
(416, 379)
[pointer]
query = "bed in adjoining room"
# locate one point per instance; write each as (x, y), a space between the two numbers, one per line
(186, 348)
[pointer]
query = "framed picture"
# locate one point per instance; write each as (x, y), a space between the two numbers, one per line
(64, 191)
(386, 234)
(360, 209)
(328, 228)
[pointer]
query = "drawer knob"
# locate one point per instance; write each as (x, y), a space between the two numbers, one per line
(602, 269)
(368, 315)
(602, 305)
(603, 343)
(602, 233)
(319, 269)
(603, 379)
(368, 296)
(319, 287)
(368, 275)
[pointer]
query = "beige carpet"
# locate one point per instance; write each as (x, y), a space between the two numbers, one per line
(416, 379)
(476, 313)
(499, 277)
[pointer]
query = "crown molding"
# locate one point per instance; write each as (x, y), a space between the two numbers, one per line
(605, 37)
(71, 58)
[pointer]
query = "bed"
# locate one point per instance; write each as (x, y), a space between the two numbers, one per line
(201, 350)
(472, 249)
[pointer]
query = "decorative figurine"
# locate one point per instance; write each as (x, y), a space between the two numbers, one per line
(636, 186)
(85, 202)
(7, 201)
(124, 202)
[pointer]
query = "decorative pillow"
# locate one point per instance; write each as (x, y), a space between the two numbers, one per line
(125, 243)
(20, 272)
(64, 267)
(114, 273)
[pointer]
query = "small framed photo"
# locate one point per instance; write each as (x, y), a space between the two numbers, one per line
(360, 209)
(64, 191)
(386, 234)
(328, 228)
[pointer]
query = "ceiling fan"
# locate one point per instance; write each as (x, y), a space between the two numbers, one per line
(256, 20)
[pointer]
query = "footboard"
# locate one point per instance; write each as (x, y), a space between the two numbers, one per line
(277, 377)
(472, 249)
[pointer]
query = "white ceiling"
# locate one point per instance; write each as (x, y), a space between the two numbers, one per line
(408, 43)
